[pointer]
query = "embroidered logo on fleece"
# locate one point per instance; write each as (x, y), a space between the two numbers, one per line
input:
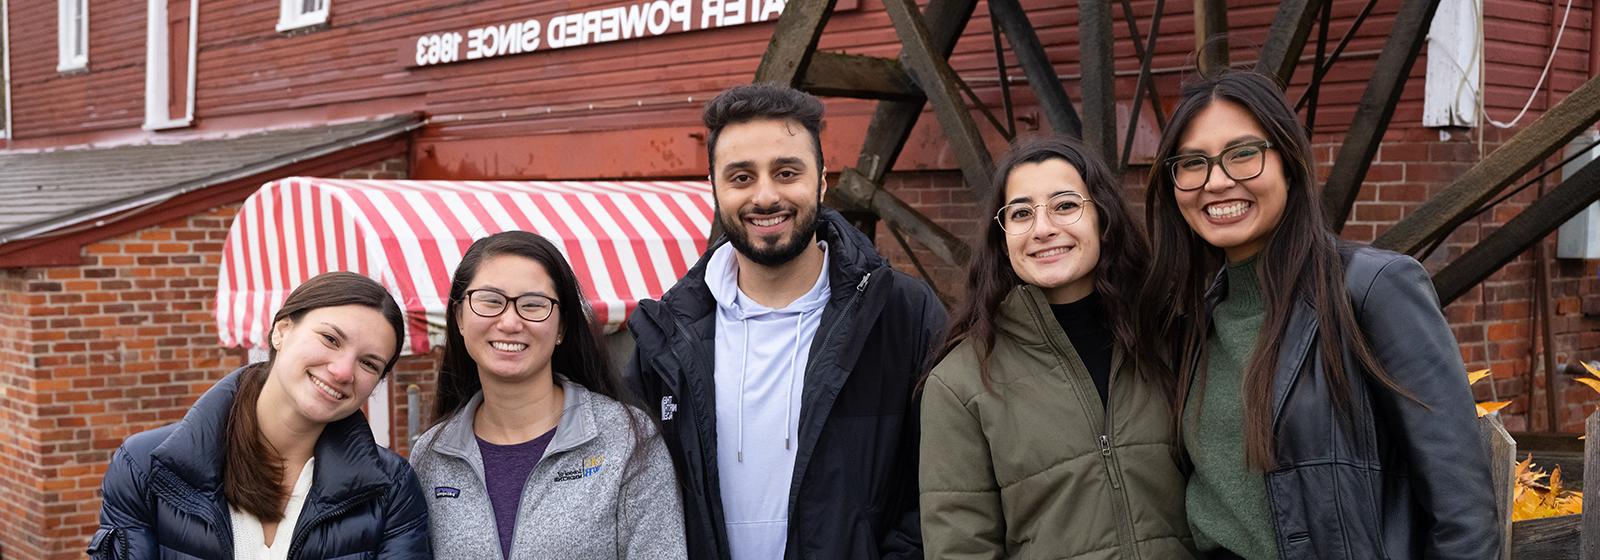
(591, 466)
(446, 492)
(668, 408)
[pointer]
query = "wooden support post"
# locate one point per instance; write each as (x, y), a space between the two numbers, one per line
(1536, 221)
(1098, 83)
(931, 71)
(1211, 35)
(1053, 99)
(861, 77)
(794, 40)
(1591, 488)
(1287, 38)
(892, 121)
(854, 188)
(1456, 204)
(1377, 107)
(1502, 466)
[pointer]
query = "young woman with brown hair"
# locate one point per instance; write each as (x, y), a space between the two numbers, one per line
(1321, 395)
(1041, 435)
(276, 460)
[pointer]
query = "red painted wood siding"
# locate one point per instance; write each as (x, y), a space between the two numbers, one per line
(645, 93)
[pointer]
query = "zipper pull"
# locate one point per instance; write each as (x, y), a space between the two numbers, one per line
(1105, 445)
(862, 286)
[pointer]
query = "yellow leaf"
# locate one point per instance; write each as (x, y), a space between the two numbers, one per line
(1592, 383)
(1475, 376)
(1485, 409)
(1592, 370)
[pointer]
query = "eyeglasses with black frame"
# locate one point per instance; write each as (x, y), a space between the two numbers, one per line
(1240, 162)
(1063, 209)
(490, 303)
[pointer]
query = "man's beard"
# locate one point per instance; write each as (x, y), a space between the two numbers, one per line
(805, 222)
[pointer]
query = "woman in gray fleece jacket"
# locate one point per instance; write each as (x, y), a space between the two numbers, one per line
(533, 455)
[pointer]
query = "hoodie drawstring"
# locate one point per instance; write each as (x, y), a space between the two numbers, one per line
(788, 400)
(744, 368)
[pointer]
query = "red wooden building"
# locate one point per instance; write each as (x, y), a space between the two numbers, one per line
(134, 131)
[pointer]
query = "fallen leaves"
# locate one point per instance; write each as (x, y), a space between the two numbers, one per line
(1538, 495)
(1487, 408)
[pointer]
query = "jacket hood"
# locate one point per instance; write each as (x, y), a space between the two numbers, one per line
(348, 460)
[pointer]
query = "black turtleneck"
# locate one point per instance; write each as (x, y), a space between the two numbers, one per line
(1085, 324)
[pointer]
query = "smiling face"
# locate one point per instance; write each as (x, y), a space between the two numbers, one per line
(1235, 216)
(329, 361)
(1058, 259)
(768, 189)
(507, 347)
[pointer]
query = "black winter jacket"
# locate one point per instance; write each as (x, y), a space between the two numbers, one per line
(853, 494)
(163, 494)
(1402, 480)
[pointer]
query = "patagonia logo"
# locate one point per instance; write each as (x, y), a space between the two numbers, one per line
(668, 408)
(591, 466)
(446, 492)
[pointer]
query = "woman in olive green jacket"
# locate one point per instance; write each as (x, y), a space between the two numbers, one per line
(1040, 437)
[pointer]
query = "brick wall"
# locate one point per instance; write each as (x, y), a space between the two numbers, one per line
(91, 354)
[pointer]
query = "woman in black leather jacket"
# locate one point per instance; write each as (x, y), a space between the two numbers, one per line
(276, 460)
(1322, 400)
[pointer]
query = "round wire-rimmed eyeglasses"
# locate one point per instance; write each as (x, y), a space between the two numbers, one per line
(1063, 209)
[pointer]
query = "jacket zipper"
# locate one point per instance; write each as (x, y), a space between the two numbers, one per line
(339, 509)
(844, 312)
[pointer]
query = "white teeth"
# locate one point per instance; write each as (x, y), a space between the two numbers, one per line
(767, 221)
(328, 390)
(509, 346)
(1230, 210)
(1051, 252)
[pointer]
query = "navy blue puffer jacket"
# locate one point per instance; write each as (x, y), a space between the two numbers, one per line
(163, 494)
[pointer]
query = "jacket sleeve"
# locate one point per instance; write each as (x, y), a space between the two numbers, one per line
(1448, 466)
(650, 516)
(405, 531)
(904, 540)
(633, 373)
(125, 515)
(961, 515)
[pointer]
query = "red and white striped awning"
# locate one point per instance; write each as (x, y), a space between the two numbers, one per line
(627, 240)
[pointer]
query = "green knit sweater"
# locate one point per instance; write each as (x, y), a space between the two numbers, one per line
(1226, 499)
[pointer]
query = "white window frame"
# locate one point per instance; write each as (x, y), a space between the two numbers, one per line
(292, 14)
(72, 29)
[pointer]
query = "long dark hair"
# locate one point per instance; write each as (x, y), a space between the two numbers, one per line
(990, 277)
(1299, 262)
(252, 471)
(578, 358)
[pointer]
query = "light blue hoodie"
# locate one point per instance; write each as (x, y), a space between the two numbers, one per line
(761, 357)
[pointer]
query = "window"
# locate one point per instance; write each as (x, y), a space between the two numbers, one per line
(296, 14)
(74, 35)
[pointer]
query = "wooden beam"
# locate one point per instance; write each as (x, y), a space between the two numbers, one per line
(1533, 224)
(1456, 204)
(1410, 31)
(893, 120)
(860, 77)
(1042, 77)
(1287, 38)
(855, 189)
(1502, 470)
(938, 81)
(1591, 489)
(1099, 79)
(1211, 35)
(794, 40)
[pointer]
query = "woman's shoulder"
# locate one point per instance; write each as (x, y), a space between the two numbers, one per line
(958, 370)
(611, 414)
(139, 448)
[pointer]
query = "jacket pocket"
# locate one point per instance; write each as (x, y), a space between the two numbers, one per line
(109, 543)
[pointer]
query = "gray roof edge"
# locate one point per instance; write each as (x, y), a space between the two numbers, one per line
(402, 125)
